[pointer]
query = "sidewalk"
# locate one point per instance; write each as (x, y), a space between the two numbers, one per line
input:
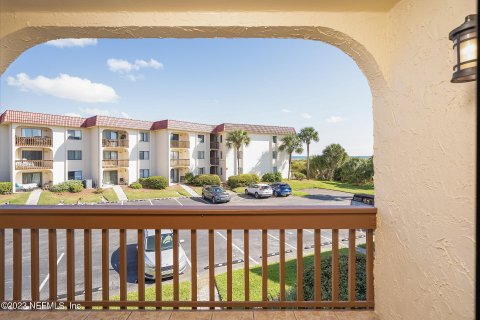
(34, 197)
(120, 194)
(190, 190)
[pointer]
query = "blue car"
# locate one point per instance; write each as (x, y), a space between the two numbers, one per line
(281, 189)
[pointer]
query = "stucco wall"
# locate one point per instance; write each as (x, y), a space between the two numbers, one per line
(5, 146)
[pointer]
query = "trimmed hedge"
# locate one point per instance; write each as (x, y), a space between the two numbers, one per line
(73, 186)
(136, 185)
(242, 180)
(154, 182)
(206, 179)
(5, 187)
(272, 177)
(189, 177)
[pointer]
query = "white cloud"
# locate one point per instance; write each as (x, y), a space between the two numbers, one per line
(286, 110)
(133, 77)
(306, 116)
(123, 66)
(71, 114)
(334, 119)
(66, 87)
(105, 112)
(62, 43)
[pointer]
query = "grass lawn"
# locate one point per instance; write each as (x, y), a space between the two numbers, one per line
(110, 195)
(14, 198)
(53, 198)
(167, 294)
(273, 279)
(140, 194)
(330, 185)
(198, 190)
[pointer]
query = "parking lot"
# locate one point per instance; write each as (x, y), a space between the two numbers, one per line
(325, 197)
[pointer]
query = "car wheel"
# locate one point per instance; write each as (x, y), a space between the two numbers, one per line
(256, 195)
(213, 200)
(275, 194)
(203, 196)
(246, 192)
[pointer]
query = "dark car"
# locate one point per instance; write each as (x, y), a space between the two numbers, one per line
(281, 189)
(215, 194)
(362, 200)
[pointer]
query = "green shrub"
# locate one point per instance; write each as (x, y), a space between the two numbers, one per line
(206, 179)
(242, 180)
(73, 186)
(299, 175)
(141, 180)
(155, 182)
(189, 177)
(5, 187)
(99, 191)
(326, 279)
(136, 185)
(272, 177)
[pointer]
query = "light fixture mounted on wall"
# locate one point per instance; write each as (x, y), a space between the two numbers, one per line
(464, 40)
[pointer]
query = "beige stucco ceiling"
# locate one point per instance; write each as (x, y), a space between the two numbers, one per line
(195, 5)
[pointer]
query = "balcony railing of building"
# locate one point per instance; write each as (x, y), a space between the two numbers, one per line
(33, 164)
(114, 143)
(215, 161)
(115, 163)
(179, 144)
(214, 145)
(33, 141)
(29, 220)
(179, 162)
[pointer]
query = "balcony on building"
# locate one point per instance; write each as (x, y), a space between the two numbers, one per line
(214, 141)
(33, 137)
(33, 159)
(115, 139)
(179, 141)
(179, 162)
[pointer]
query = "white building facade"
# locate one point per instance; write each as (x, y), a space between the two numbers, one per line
(45, 149)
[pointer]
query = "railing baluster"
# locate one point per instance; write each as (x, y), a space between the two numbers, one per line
(52, 264)
(318, 265)
(351, 265)
(141, 265)
(193, 250)
(264, 266)
(87, 264)
(123, 266)
(211, 266)
(246, 258)
(282, 266)
(2, 264)
(335, 265)
(229, 265)
(299, 264)
(105, 266)
(34, 265)
(370, 293)
(70, 265)
(176, 271)
(17, 264)
(158, 265)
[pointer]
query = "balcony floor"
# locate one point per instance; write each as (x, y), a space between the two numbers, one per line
(190, 315)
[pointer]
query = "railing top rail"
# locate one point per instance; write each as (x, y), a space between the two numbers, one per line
(188, 217)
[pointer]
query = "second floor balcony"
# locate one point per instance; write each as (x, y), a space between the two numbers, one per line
(179, 162)
(25, 164)
(214, 145)
(115, 143)
(21, 141)
(214, 161)
(179, 144)
(115, 163)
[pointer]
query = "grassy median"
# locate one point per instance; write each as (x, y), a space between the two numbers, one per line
(142, 194)
(14, 198)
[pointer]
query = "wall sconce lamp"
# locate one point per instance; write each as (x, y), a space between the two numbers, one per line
(464, 40)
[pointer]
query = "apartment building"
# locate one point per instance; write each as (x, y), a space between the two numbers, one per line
(46, 149)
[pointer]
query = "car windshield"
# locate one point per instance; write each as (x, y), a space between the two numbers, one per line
(264, 187)
(218, 190)
(167, 242)
(284, 186)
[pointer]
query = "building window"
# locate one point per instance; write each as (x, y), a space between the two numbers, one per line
(275, 170)
(240, 170)
(111, 135)
(274, 138)
(30, 132)
(144, 155)
(201, 170)
(174, 137)
(74, 134)
(274, 154)
(74, 155)
(110, 155)
(221, 154)
(145, 136)
(221, 139)
(221, 171)
(74, 175)
(201, 138)
(32, 155)
(201, 154)
(32, 177)
(144, 173)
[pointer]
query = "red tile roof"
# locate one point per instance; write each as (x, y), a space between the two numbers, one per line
(13, 116)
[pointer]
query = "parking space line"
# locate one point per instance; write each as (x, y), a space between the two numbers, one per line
(178, 201)
(150, 200)
(329, 239)
(44, 282)
(286, 243)
(236, 247)
(205, 201)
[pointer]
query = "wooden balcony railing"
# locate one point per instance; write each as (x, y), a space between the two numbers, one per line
(115, 163)
(26, 223)
(114, 143)
(214, 145)
(179, 144)
(214, 161)
(33, 164)
(33, 141)
(179, 162)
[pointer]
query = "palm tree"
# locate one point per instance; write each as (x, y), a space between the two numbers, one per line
(308, 135)
(236, 139)
(291, 143)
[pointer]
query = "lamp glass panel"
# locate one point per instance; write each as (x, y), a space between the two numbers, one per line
(468, 51)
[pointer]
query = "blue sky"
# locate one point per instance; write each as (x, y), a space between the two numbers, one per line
(287, 82)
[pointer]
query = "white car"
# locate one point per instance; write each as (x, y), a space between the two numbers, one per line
(259, 190)
(167, 254)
